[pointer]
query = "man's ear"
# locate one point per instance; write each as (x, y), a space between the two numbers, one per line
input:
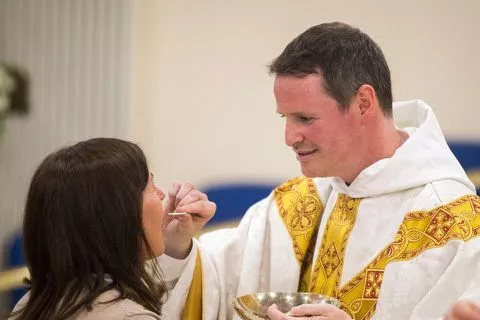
(366, 99)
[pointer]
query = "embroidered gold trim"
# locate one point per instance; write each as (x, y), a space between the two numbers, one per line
(329, 265)
(301, 209)
(419, 231)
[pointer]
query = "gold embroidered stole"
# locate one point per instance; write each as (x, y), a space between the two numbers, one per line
(301, 210)
(193, 309)
(328, 268)
(419, 231)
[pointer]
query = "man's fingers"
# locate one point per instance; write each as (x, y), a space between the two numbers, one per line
(202, 209)
(184, 221)
(170, 206)
(185, 189)
(464, 310)
(172, 195)
(274, 314)
(313, 309)
(166, 221)
(180, 223)
(192, 196)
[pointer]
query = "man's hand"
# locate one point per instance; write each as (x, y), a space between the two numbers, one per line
(463, 310)
(321, 311)
(179, 230)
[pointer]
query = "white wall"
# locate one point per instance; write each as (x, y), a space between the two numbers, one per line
(213, 114)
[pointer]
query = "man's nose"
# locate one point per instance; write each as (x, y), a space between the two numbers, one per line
(292, 134)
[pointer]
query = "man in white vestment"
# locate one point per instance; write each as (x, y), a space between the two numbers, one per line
(384, 217)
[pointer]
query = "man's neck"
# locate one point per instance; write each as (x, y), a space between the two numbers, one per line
(373, 151)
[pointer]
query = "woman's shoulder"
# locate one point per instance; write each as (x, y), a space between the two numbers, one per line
(104, 309)
(119, 309)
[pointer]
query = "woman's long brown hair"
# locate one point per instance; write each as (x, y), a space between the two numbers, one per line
(83, 225)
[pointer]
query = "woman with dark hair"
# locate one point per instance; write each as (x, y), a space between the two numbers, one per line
(93, 220)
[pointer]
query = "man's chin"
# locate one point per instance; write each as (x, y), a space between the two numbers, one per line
(311, 173)
(308, 173)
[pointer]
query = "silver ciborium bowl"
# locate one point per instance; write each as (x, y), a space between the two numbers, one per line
(254, 306)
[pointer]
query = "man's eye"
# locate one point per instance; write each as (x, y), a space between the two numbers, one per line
(305, 119)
